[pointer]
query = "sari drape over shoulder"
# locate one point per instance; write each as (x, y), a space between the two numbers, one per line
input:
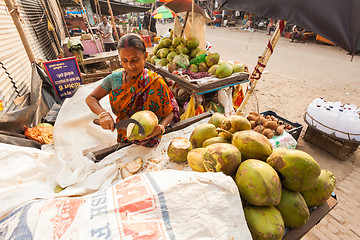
(148, 92)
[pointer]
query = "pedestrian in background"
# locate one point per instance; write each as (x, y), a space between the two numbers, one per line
(106, 34)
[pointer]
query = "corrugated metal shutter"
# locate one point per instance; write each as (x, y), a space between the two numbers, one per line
(36, 27)
(15, 67)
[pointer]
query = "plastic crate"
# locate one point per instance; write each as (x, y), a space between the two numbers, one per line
(338, 147)
(295, 132)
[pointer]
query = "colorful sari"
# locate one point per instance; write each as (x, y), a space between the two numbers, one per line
(148, 92)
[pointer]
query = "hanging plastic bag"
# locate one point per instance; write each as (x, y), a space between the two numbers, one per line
(225, 99)
(190, 110)
(238, 96)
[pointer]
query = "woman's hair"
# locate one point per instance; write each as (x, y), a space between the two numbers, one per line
(132, 40)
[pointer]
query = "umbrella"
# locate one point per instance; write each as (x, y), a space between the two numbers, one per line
(338, 21)
(162, 12)
(184, 6)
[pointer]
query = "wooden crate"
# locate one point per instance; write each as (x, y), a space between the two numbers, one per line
(338, 147)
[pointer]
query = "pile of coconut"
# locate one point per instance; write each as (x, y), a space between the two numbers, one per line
(180, 53)
(278, 187)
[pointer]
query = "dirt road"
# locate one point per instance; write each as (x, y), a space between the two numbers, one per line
(296, 74)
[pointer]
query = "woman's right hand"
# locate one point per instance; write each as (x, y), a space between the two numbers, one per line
(107, 122)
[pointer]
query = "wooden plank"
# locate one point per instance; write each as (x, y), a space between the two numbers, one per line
(315, 217)
(99, 152)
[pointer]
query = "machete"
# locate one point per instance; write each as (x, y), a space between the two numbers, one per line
(122, 124)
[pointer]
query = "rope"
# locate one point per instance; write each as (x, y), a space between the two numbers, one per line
(11, 79)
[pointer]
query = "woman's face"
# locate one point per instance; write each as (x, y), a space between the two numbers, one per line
(132, 60)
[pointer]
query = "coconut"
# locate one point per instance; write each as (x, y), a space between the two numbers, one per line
(293, 209)
(299, 171)
(192, 42)
(193, 68)
(212, 59)
(238, 68)
(234, 123)
(322, 190)
(194, 52)
(265, 223)
(222, 157)
(182, 49)
(177, 41)
(252, 145)
(164, 52)
(203, 67)
(171, 56)
(147, 119)
(201, 133)
(212, 69)
(178, 149)
(217, 119)
(167, 42)
(172, 67)
(223, 71)
(258, 183)
(213, 140)
(195, 159)
(162, 62)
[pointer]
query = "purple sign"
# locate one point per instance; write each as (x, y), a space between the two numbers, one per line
(65, 75)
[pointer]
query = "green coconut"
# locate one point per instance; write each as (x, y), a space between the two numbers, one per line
(234, 123)
(222, 157)
(217, 119)
(195, 159)
(192, 42)
(213, 140)
(212, 59)
(201, 133)
(224, 70)
(265, 223)
(322, 190)
(178, 149)
(147, 119)
(252, 145)
(258, 183)
(299, 171)
(293, 209)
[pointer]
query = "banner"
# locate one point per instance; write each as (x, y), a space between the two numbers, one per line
(65, 75)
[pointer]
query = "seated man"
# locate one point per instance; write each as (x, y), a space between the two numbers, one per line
(297, 33)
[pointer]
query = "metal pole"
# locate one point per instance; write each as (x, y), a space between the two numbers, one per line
(112, 20)
(88, 22)
(61, 51)
(63, 18)
(15, 17)
(192, 18)
(261, 64)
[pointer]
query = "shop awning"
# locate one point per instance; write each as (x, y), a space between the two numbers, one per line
(119, 8)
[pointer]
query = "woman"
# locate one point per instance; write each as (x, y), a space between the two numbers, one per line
(134, 89)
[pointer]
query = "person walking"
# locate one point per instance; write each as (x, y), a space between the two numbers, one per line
(105, 30)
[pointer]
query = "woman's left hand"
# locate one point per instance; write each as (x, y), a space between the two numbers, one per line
(156, 132)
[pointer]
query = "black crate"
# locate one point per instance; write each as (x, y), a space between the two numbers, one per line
(295, 132)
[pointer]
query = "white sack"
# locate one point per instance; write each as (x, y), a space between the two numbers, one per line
(159, 205)
(74, 130)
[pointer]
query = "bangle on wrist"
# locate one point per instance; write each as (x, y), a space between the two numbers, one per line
(162, 129)
(103, 114)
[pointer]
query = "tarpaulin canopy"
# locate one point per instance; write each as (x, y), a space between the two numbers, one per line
(119, 7)
(336, 20)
